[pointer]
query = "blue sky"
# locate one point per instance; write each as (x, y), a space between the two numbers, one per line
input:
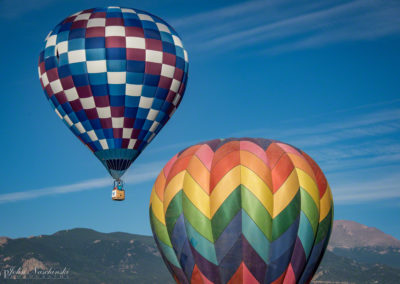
(323, 76)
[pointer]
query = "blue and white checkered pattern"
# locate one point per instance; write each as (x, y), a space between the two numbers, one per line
(114, 76)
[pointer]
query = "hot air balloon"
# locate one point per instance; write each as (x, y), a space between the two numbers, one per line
(241, 211)
(114, 76)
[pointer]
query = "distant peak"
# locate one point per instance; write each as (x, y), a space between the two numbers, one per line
(350, 234)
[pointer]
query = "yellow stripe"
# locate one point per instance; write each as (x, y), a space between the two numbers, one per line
(157, 207)
(199, 173)
(197, 195)
(258, 187)
(159, 185)
(326, 204)
(255, 164)
(285, 194)
(151, 196)
(224, 188)
(301, 163)
(174, 186)
(309, 185)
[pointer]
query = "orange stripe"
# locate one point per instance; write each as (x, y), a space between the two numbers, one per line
(199, 173)
(274, 152)
(281, 172)
(319, 175)
(189, 151)
(179, 165)
(220, 169)
(225, 150)
(159, 186)
(256, 165)
(301, 163)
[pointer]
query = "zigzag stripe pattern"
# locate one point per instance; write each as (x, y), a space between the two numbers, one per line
(245, 210)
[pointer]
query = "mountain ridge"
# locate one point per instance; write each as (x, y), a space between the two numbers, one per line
(350, 234)
(90, 256)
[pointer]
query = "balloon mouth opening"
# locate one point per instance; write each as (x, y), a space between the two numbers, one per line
(117, 161)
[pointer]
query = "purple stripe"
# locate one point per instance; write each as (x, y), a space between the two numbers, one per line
(171, 268)
(213, 144)
(253, 261)
(229, 236)
(209, 269)
(178, 236)
(179, 274)
(315, 258)
(298, 258)
(231, 262)
(263, 143)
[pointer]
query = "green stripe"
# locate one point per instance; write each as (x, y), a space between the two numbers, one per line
(256, 211)
(310, 209)
(174, 210)
(306, 234)
(201, 244)
(324, 227)
(160, 230)
(169, 254)
(225, 213)
(255, 237)
(200, 222)
(286, 218)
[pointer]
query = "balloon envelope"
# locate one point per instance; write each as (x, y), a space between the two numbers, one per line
(241, 211)
(114, 76)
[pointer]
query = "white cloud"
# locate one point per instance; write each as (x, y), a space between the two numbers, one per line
(221, 14)
(142, 173)
(363, 141)
(331, 135)
(281, 26)
(368, 119)
(374, 123)
(367, 190)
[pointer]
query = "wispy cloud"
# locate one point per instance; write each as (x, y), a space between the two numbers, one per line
(339, 147)
(367, 190)
(139, 175)
(330, 135)
(177, 146)
(281, 26)
(361, 141)
(372, 123)
(381, 149)
(376, 116)
(368, 139)
(221, 14)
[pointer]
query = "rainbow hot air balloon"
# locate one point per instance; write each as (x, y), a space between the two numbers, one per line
(114, 76)
(241, 211)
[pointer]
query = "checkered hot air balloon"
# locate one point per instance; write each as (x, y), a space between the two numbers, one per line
(241, 211)
(114, 76)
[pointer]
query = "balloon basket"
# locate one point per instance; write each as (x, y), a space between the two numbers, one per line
(118, 193)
